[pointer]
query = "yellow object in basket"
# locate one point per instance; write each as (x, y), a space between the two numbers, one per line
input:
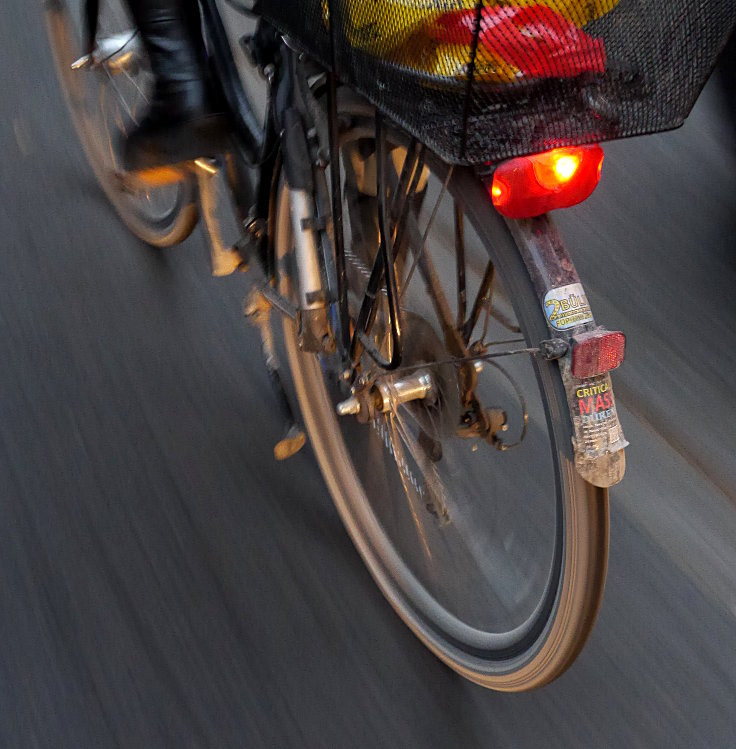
(398, 31)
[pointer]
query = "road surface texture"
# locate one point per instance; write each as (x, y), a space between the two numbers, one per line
(164, 583)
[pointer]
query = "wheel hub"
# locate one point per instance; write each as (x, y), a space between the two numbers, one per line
(430, 394)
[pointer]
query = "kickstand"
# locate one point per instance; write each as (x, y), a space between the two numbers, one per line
(258, 311)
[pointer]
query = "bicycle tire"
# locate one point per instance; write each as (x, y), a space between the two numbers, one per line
(132, 200)
(582, 522)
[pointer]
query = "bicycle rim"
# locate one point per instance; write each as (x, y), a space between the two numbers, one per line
(105, 102)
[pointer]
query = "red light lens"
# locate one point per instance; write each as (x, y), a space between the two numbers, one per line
(532, 185)
(556, 168)
(596, 353)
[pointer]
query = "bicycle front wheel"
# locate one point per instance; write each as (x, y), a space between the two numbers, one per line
(105, 99)
(484, 539)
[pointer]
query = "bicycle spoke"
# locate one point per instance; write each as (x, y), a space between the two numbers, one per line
(483, 299)
(422, 244)
(108, 138)
(460, 264)
(119, 95)
(407, 484)
(503, 320)
(425, 439)
(436, 502)
(453, 339)
(137, 87)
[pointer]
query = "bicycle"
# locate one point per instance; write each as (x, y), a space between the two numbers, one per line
(466, 425)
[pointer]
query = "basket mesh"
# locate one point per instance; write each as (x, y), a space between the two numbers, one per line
(483, 80)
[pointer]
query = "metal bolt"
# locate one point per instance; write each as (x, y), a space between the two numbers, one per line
(349, 407)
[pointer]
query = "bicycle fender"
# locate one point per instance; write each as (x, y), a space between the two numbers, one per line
(598, 439)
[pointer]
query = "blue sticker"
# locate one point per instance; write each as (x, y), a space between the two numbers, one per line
(567, 307)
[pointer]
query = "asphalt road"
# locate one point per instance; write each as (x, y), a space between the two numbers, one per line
(164, 583)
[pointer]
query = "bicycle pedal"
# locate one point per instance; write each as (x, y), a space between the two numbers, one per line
(257, 309)
(292, 442)
(120, 53)
(160, 176)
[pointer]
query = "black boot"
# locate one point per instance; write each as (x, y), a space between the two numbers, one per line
(181, 124)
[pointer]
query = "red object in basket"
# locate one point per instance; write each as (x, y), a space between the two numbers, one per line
(537, 40)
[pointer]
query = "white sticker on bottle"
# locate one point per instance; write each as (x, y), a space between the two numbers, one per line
(567, 307)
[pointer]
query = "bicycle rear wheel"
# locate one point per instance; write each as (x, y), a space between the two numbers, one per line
(495, 558)
(104, 100)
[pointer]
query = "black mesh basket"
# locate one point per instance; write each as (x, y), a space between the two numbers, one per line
(484, 80)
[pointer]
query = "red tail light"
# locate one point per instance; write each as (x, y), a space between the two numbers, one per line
(531, 185)
(596, 353)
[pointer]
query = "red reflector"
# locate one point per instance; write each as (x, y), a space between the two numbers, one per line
(597, 353)
(532, 185)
